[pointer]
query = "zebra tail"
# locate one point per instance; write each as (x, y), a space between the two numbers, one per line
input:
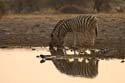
(96, 31)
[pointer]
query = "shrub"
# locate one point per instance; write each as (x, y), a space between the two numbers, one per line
(2, 8)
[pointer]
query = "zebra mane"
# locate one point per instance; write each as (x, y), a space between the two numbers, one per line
(56, 26)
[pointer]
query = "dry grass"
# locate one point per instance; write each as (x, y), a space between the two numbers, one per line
(56, 17)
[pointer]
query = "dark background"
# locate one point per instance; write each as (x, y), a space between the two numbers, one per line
(61, 6)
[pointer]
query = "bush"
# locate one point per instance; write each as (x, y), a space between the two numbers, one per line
(75, 9)
(2, 8)
(49, 11)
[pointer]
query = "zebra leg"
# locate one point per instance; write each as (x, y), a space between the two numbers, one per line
(60, 48)
(60, 51)
(51, 49)
(63, 47)
(64, 50)
(81, 51)
(74, 42)
(93, 40)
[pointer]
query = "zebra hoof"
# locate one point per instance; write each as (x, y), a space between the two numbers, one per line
(42, 56)
(122, 61)
(33, 49)
(37, 56)
(42, 61)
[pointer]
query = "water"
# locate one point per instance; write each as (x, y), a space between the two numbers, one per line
(20, 65)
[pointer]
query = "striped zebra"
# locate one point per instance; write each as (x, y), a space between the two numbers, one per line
(84, 24)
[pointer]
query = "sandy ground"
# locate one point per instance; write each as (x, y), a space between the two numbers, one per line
(35, 30)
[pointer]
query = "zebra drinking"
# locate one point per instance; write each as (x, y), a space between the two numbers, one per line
(86, 25)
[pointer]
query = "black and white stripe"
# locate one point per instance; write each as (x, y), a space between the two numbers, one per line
(85, 24)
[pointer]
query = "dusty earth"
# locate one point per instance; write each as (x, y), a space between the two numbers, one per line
(35, 30)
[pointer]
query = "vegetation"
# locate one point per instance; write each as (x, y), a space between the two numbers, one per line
(2, 6)
(72, 6)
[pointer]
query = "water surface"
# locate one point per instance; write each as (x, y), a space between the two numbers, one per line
(20, 65)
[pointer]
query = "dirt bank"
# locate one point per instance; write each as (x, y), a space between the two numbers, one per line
(35, 30)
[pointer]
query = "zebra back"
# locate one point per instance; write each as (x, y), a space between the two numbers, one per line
(76, 24)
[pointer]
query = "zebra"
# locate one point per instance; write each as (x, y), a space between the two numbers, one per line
(86, 24)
